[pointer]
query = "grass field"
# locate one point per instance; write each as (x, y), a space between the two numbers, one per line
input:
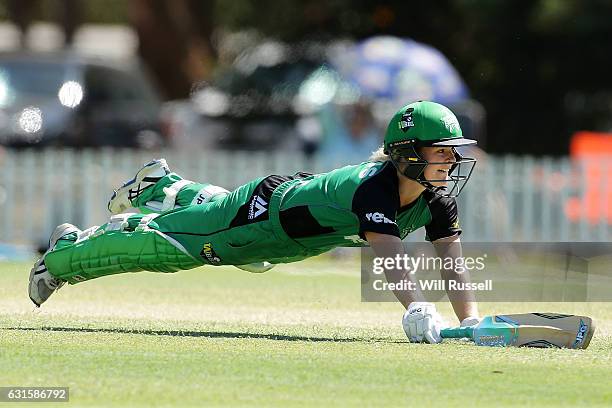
(295, 336)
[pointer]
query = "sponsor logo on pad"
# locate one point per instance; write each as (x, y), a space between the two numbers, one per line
(209, 254)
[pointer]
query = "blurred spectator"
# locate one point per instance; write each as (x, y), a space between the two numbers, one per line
(350, 133)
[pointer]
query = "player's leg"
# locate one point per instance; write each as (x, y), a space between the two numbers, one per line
(128, 243)
(155, 188)
(166, 242)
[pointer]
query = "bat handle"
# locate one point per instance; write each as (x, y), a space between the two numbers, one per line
(457, 333)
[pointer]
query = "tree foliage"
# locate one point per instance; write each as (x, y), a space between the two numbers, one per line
(540, 67)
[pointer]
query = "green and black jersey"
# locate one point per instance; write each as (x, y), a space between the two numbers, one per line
(338, 207)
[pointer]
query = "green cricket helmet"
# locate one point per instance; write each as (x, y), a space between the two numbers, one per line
(427, 124)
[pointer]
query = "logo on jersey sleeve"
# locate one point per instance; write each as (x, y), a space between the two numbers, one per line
(379, 218)
(257, 207)
(355, 239)
(370, 170)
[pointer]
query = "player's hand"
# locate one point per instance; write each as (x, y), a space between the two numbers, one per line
(470, 321)
(422, 322)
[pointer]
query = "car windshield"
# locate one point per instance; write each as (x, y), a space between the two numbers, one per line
(25, 80)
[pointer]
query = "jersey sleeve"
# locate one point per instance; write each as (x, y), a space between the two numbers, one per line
(444, 218)
(375, 203)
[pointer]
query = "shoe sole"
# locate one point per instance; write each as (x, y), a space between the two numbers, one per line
(259, 267)
(124, 190)
(58, 233)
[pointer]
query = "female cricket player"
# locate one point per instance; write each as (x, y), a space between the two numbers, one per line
(410, 182)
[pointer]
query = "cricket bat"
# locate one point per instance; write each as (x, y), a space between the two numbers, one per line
(528, 330)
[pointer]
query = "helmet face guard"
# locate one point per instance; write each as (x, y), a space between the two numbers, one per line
(410, 164)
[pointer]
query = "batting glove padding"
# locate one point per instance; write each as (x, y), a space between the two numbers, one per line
(422, 323)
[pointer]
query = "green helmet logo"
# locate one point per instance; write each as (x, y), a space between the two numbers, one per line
(427, 124)
(424, 123)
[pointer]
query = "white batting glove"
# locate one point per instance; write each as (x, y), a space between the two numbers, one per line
(422, 322)
(470, 321)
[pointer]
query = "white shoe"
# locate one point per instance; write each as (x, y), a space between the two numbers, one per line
(147, 176)
(42, 283)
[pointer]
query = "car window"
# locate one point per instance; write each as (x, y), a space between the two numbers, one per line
(106, 85)
(24, 79)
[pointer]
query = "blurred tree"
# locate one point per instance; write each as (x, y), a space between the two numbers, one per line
(68, 14)
(22, 13)
(106, 12)
(296, 20)
(174, 36)
(174, 41)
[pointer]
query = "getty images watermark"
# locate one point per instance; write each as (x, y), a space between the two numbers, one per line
(500, 271)
(411, 265)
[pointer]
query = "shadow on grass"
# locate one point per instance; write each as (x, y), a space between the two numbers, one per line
(208, 334)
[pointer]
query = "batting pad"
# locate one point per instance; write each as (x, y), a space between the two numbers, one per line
(119, 251)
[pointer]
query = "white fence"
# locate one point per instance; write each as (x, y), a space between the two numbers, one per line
(507, 199)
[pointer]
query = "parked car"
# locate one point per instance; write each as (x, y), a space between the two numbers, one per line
(254, 104)
(276, 96)
(63, 99)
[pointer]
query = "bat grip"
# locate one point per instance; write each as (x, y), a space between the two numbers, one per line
(457, 333)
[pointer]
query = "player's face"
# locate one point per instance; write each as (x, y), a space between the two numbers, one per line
(445, 156)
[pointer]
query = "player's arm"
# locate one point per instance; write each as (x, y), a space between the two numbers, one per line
(389, 246)
(375, 204)
(463, 301)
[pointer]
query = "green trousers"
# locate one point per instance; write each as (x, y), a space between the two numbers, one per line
(205, 228)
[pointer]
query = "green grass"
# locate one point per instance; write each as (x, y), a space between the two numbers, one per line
(295, 336)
